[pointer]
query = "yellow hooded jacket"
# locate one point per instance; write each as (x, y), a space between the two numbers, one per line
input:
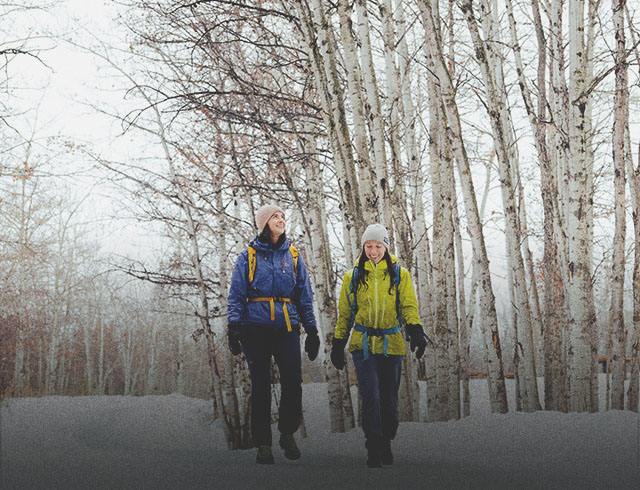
(377, 307)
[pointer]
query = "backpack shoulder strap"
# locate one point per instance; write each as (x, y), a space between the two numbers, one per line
(252, 262)
(352, 298)
(396, 282)
(294, 255)
(396, 274)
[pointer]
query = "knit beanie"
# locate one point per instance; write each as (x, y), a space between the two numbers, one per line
(264, 213)
(377, 233)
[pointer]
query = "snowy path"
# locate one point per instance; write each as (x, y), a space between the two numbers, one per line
(160, 442)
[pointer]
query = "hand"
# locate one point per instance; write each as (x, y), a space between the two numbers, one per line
(312, 345)
(234, 334)
(417, 339)
(337, 353)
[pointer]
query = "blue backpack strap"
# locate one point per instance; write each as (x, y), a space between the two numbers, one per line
(374, 331)
(386, 338)
(352, 298)
(396, 282)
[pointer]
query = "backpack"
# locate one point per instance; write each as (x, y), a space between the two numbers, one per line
(253, 261)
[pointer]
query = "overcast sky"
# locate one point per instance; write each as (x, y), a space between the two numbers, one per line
(58, 96)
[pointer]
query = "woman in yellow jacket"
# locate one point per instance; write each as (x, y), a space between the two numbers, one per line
(375, 305)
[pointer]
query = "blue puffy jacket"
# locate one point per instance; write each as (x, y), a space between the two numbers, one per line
(273, 277)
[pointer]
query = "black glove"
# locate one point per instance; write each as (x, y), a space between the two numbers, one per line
(312, 344)
(234, 334)
(417, 339)
(337, 353)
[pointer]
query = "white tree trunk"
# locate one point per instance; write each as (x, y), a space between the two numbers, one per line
(151, 386)
(370, 203)
(87, 352)
(340, 404)
(620, 124)
(633, 392)
(581, 321)
(495, 377)
(502, 127)
(322, 58)
(101, 377)
(408, 405)
(439, 285)
(373, 109)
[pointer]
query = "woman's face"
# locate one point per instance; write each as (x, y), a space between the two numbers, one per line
(276, 224)
(374, 250)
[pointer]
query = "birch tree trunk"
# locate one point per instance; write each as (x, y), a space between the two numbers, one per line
(101, 359)
(593, 22)
(370, 202)
(373, 108)
(495, 374)
(323, 65)
(340, 403)
(553, 319)
(398, 199)
(464, 323)
(581, 320)
(633, 392)
(420, 239)
(19, 366)
(453, 348)
(502, 126)
(87, 352)
(151, 386)
(127, 358)
(229, 383)
(445, 317)
(409, 399)
(221, 388)
(620, 124)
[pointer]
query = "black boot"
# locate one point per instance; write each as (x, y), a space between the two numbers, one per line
(373, 452)
(288, 443)
(386, 456)
(265, 455)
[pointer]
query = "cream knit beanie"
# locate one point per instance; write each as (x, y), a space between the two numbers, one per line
(377, 233)
(264, 213)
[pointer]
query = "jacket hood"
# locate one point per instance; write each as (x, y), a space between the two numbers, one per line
(266, 247)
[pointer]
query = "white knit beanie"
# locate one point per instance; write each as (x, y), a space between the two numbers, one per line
(264, 213)
(377, 233)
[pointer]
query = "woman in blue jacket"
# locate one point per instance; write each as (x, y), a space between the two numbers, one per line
(270, 297)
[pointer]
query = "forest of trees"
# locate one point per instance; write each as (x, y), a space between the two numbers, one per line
(494, 138)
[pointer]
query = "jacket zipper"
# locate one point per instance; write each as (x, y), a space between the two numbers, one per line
(375, 275)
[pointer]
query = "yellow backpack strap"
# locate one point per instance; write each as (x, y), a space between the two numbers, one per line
(252, 263)
(294, 256)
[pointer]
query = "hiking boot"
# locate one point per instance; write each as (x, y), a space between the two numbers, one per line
(264, 456)
(386, 456)
(373, 452)
(288, 443)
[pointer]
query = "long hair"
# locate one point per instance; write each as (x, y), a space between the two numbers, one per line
(363, 273)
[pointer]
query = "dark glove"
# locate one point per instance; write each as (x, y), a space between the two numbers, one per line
(234, 334)
(337, 353)
(417, 339)
(312, 344)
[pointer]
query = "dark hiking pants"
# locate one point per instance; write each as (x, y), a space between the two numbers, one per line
(259, 344)
(378, 381)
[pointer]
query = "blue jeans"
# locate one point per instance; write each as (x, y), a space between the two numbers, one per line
(259, 344)
(378, 381)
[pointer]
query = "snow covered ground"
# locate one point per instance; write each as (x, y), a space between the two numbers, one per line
(167, 442)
